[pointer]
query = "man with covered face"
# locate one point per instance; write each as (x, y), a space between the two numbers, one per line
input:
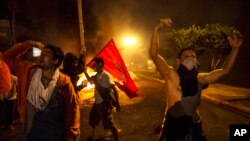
(73, 67)
(183, 86)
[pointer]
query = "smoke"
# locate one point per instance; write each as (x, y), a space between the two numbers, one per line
(49, 22)
(56, 21)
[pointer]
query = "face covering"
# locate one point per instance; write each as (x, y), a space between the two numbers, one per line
(77, 67)
(188, 78)
(189, 63)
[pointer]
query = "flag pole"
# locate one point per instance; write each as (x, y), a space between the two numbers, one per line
(12, 6)
(81, 30)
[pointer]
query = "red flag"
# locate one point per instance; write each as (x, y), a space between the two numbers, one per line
(114, 65)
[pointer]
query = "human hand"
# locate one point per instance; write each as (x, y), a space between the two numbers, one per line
(85, 83)
(167, 22)
(36, 44)
(236, 39)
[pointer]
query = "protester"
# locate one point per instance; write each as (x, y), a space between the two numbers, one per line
(102, 109)
(19, 58)
(182, 119)
(8, 102)
(5, 87)
(51, 104)
(73, 67)
(5, 77)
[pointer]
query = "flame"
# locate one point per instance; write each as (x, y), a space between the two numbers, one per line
(84, 80)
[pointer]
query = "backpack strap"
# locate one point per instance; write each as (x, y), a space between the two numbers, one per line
(104, 92)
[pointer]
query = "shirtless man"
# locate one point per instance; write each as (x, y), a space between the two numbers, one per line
(183, 86)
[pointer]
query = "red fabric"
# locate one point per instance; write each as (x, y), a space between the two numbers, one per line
(5, 79)
(114, 65)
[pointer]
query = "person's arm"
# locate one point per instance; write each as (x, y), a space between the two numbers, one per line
(77, 86)
(118, 107)
(11, 56)
(235, 41)
(90, 80)
(162, 66)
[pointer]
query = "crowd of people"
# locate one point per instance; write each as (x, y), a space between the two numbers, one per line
(47, 100)
(45, 97)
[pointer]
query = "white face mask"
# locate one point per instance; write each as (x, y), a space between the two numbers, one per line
(189, 63)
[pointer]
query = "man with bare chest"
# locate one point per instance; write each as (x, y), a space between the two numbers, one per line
(183, 86)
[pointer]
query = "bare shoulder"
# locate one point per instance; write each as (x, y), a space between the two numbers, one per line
(170, 74)
(202, 77)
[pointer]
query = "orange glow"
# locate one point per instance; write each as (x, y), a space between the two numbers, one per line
(84, 79)
(128, 41)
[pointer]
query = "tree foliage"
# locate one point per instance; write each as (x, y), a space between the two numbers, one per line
(211, 37)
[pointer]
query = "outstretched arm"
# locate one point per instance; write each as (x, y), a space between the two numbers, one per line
(235, 41)
(90, 80)
(162, 66)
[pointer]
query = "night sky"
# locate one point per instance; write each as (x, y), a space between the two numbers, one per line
(56, 21)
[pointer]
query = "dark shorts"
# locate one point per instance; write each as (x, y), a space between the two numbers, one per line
(176, 128)
(198, 134)
(176, 124)
(100, 112)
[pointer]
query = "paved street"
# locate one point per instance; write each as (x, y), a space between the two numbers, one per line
(140, 118)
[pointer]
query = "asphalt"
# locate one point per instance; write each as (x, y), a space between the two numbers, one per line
(234, 98)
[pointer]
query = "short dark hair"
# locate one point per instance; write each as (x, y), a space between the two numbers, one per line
(184, 49)
(57, 53)
(99, 60)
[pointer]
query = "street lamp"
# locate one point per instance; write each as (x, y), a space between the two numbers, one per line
(129, 41)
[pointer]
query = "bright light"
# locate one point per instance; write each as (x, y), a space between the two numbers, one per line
(36, 52)
(84, 79)
(128, 41)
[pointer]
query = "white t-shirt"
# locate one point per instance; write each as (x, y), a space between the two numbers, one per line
(104, 80)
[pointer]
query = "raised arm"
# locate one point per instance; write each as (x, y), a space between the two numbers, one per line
(162, 66)
(11, 56)
(90, 80)
(235, 41)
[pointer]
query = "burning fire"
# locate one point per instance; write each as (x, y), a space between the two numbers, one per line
(84, 80)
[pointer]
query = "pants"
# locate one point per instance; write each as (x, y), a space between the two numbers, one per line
(181, 128)
(7, 112)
